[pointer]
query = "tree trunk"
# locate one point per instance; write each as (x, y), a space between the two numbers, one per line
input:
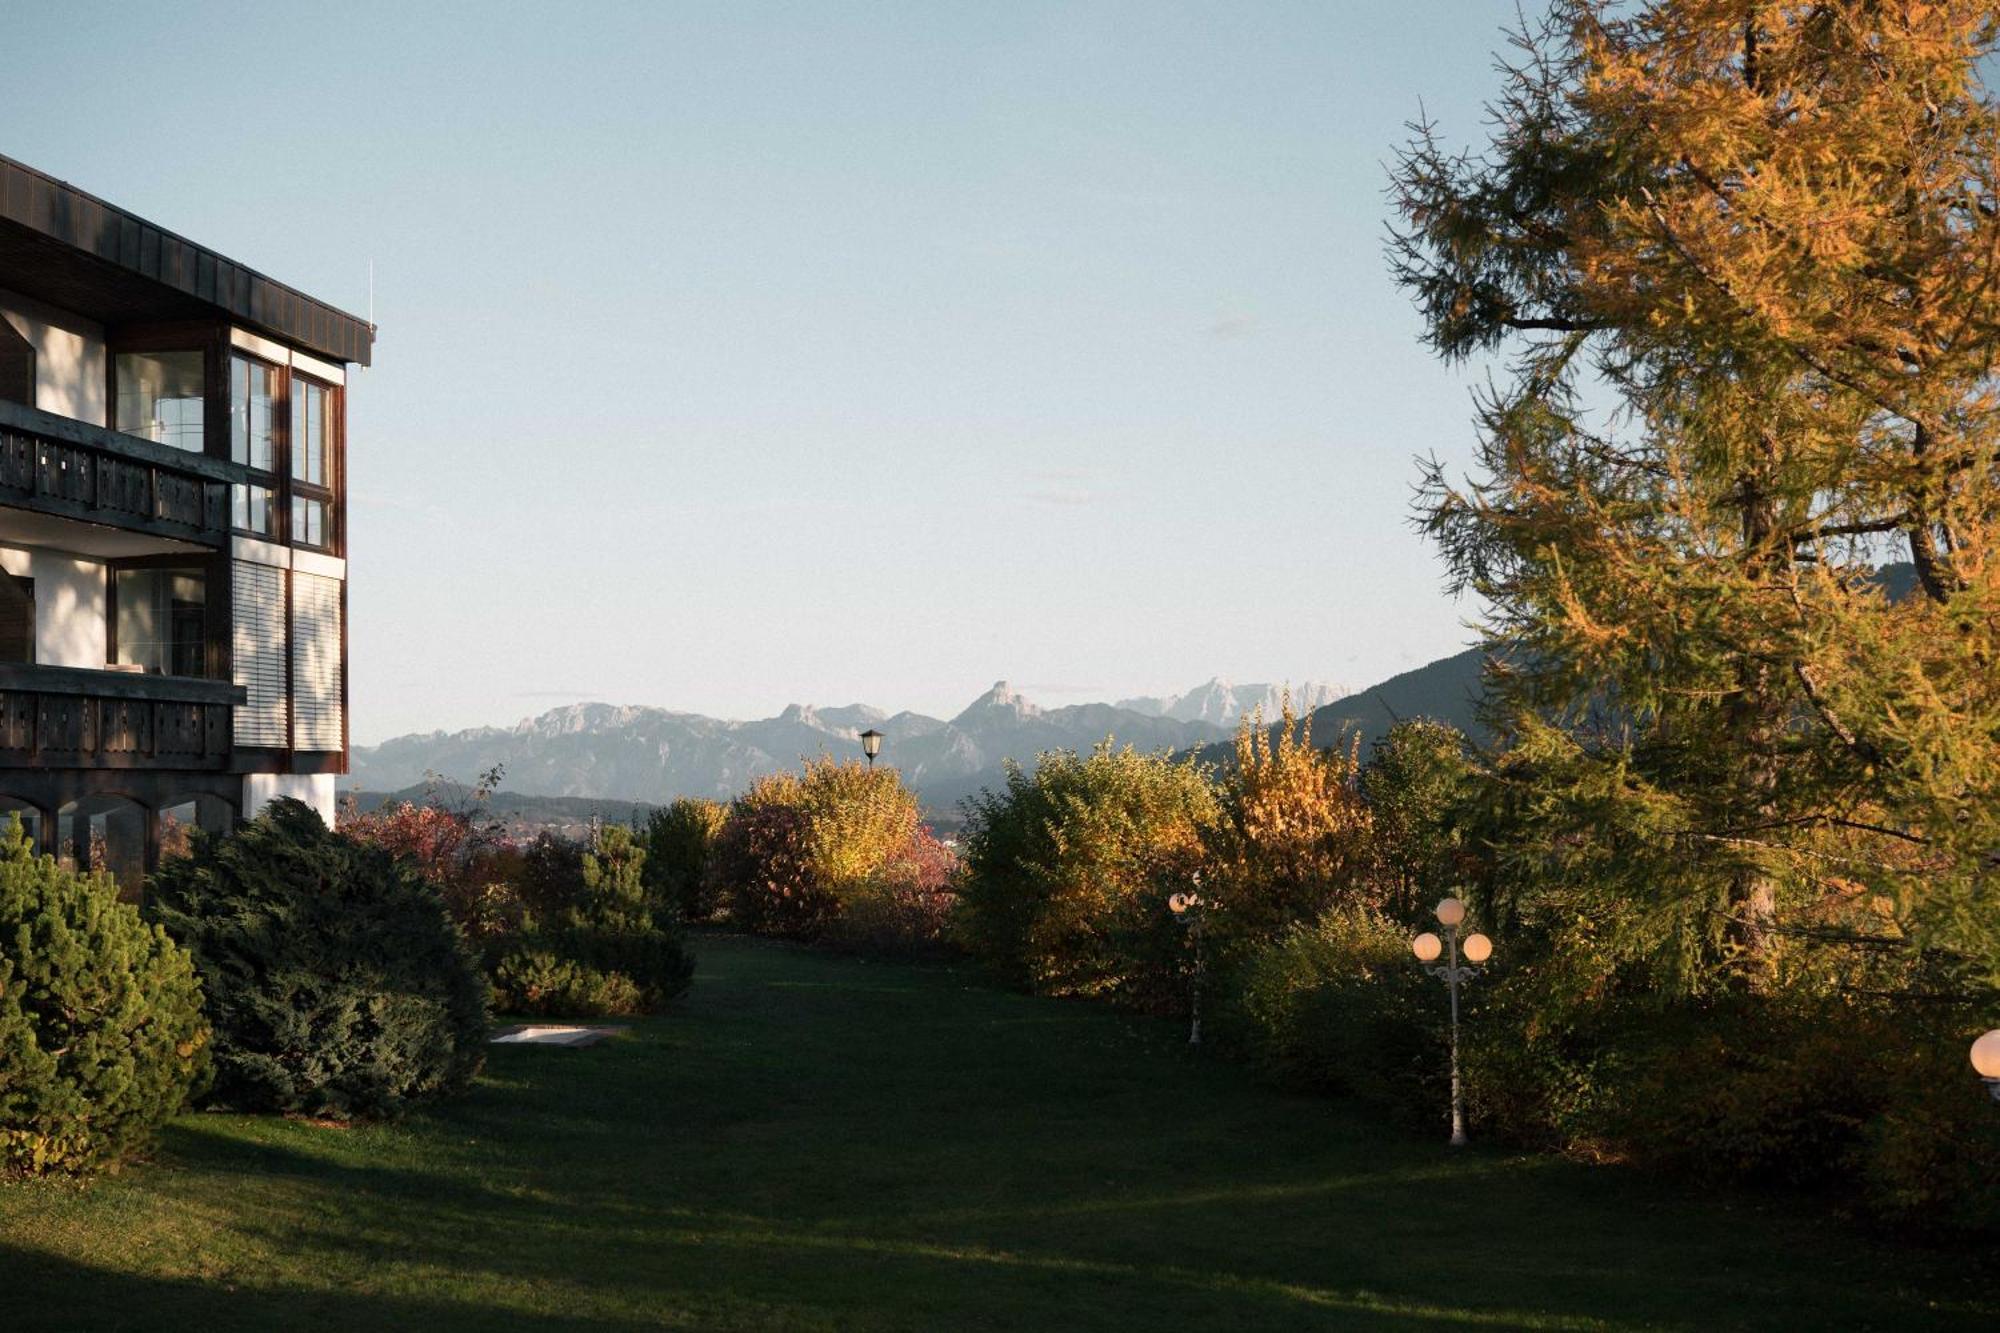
(1755, 721)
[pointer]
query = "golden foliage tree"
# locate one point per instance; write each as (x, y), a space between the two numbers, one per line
(860, 817)
(1742, 263)
(1293, 838)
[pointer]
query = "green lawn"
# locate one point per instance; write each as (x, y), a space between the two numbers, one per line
(812, 1142)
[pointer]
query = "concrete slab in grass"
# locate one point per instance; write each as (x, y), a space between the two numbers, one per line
(553, 1034)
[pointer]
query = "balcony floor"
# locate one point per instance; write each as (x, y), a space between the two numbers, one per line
(23, 527)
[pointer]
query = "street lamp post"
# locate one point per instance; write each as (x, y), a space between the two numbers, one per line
(1188, 909)
(1477, 949)
(1986, 1061)
(871, 744)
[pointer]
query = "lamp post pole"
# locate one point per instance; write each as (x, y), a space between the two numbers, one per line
(1453, 974)
(1188, 909)
(871, 745)
(1477, 949)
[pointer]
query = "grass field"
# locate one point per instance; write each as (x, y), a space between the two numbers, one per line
(812, 1142)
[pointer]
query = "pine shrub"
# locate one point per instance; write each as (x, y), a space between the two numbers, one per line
(101, 1032)
(542, 983)
(602, 950)
(337, 983)
(678, 842)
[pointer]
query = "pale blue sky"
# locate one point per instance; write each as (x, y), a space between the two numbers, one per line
(738, 354)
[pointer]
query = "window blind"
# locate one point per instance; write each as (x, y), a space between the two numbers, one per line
(316, 664)
(259, 656)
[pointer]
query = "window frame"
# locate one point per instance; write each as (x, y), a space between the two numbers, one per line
(208, 339)
(215, 611)
(272, 481)
(333, 424)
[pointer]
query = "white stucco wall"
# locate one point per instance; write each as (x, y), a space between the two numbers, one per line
(315, 789)
(69, 604)
(69, 357)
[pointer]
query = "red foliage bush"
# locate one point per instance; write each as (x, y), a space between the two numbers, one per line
(763, 866)
(905, 908)
(455, 853)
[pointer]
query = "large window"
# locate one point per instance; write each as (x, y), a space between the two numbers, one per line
(160, 396)
(312, 463)
(160, 620)
(283, 428)
(253, 442)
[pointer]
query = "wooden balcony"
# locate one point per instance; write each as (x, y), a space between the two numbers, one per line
(65, 468)
(67, 717)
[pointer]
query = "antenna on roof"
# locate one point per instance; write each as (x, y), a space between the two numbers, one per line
(371, 293)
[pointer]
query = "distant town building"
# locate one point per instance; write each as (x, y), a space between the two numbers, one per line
(173, 575)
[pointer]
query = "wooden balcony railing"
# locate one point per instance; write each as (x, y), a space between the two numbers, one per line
(57, 465)
(67, 717)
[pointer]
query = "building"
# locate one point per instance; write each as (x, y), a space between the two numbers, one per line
(173, 580)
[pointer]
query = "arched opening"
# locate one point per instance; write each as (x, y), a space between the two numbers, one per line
(30, 817)
(17, 366)
(210, 814)
(105, 833)
(17, 618)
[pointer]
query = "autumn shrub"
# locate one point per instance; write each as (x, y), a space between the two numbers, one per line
(1068, 868)
(1338, 1005)
(762, 867)
(1865, 1097)
(593, 944)
(1294, 838)
(455, 848)
(679, 840)
(834, 852)
(337, 983)
(904, 909)
(1924, 1159)
(102, 1036)
(858, 816)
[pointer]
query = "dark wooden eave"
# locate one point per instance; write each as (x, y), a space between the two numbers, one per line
(76, 251)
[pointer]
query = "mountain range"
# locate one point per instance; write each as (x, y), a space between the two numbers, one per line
(1225, 704)
(651, 755)
(638, 753)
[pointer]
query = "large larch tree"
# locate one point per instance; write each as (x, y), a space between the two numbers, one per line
(1736, 269)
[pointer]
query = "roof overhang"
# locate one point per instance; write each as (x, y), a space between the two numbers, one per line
(73, 250)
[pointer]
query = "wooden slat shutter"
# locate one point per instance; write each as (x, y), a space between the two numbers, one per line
(316, 665)
(260, 653)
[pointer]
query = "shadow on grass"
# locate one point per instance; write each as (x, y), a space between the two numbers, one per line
(42, 1291)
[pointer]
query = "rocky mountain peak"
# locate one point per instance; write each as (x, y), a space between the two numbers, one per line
(1001, 699)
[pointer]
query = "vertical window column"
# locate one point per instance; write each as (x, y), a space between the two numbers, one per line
(317, 665)
(259, 654)
(253, 441)
(313, 451)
